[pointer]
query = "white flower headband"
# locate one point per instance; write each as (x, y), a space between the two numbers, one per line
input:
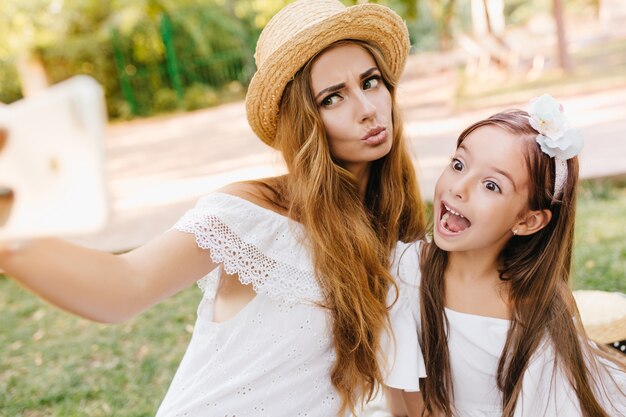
(555, 137)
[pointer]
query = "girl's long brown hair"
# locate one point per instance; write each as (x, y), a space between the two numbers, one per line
(351, 239)
(536, 269)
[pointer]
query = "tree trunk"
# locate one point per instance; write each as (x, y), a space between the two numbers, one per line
(565, 62)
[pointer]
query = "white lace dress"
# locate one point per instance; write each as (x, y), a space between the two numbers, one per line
(274, 357)
(475, 344)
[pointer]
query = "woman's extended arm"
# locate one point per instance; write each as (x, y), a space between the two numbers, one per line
(101, 286)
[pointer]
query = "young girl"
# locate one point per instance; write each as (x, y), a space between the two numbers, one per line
(295, 301)
(499, 328)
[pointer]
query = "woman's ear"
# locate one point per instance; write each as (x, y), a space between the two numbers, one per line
(532, 222)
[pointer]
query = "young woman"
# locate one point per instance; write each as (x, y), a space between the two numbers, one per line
(498, 324)
(298, 266)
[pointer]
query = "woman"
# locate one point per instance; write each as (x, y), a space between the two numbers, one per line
(295, 302)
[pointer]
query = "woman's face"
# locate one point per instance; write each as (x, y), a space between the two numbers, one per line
(354, 104)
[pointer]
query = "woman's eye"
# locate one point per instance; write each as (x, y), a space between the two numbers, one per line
(371, 83)
(457, 165)
(330, 100)
(492, 186)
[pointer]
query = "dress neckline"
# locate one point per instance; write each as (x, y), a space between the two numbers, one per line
(476, 316)
(259, 207)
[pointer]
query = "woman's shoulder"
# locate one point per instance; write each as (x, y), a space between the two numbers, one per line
(243, 211)
(244, 201)
(261, 192)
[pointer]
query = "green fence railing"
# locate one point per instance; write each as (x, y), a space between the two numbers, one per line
(195, 57)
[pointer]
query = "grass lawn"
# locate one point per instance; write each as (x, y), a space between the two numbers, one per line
(54, 364)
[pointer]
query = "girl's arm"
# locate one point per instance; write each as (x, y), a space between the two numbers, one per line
(101, 286)
(404, 404)
(414, 403)
(395, 402)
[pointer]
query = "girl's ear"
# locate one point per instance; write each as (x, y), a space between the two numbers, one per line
(532, 222)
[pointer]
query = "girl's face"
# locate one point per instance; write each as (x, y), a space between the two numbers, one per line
(354, 104)
(482, 194)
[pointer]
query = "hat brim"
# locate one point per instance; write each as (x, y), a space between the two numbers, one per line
(366, 22)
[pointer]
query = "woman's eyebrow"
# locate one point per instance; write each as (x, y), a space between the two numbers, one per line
(330, 89)
(337, 87)
(368, 72)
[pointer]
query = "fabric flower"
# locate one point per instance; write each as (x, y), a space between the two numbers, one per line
(555, 137)
(566, 147)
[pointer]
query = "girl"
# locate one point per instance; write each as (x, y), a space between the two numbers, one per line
(499, 328)
(295, 300)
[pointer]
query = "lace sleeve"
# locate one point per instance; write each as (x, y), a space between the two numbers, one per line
(254, 243)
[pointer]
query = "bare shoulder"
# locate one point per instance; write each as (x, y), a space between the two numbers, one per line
(261, 192)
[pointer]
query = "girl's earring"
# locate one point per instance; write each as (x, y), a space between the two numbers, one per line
(514, 232)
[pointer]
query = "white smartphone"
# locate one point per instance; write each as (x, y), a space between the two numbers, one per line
(52, 168)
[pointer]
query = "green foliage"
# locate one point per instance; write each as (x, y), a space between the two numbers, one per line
(90, 54)
(125, 47)
(165, 100)
(199, 96)
(10, 88)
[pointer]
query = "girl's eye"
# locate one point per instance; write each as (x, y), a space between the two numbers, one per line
(457, 165)
(492, 186)
(330, 100)
(371, 82)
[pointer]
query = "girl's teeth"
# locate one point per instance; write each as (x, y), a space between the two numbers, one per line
(452, 211)
(444, 220)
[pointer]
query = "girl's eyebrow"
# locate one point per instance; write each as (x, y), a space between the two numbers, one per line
(498, 170)
(337, 87)
(505, 174)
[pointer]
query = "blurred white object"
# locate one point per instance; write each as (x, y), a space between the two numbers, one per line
(52, 176)
(603, 314)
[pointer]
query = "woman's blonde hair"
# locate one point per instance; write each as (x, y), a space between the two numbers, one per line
(537, 269)
(351, 239)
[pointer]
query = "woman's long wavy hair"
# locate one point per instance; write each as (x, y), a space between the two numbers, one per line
(536, 269)
(351, 238)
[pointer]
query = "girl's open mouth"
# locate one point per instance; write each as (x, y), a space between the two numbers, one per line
(452, 220)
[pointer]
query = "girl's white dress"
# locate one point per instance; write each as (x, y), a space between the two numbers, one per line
(274, 358)
(475, 344)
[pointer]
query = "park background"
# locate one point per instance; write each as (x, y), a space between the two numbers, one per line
(174, 74)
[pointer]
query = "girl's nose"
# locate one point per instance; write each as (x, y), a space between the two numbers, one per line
(458, 188)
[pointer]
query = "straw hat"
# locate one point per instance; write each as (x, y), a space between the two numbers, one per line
(302, 29)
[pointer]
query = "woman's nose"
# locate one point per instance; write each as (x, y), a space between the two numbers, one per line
(366, 107)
